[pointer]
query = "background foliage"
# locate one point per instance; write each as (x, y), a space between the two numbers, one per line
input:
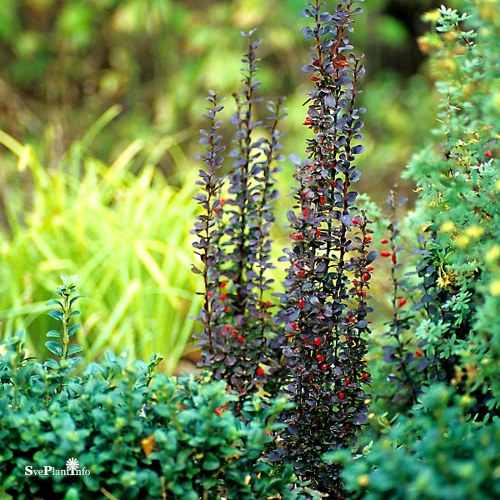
(148, 65)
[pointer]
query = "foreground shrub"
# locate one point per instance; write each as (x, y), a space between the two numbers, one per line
(135, 433)
(434, 452)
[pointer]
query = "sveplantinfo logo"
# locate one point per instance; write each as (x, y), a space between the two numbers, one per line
(72, 469)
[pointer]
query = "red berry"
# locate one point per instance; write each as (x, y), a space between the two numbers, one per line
(314, 78)
(320, 358)
(294, 325)
(297, 236)
(324, 368)
(341, 395)
(228, 328)
(355, 221)
(401, 302)
(366, 277)
(418, 353)
(308, 121)
(234, 332)
(300, 304)
(218, 411)
(269, 303)
(223, 284)
(222, 202)
(322, 200)
(365, 375)
(488, 154)
(209, 294)
(318, 232)
(302, 272)
(385, 253)
(393, 258)
(347, 380)
(240, 339)
(317, 341)
(226, 309)
(259, 372)
(352, 319)
(347, 425)
(305, 212)
(368, 239)
(364, 293)
(342, 64)
(384, 241)
(370, 269)
(223, 296)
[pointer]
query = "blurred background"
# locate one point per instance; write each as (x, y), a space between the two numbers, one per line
(100, 104)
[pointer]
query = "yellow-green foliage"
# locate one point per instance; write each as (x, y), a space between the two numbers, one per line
(122, 227)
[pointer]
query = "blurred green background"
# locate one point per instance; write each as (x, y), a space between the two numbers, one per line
(99, 108)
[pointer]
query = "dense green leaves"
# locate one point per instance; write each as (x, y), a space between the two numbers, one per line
(137, 433)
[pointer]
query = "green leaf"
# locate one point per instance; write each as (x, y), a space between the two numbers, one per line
(72, 329)
(58, 315)
(74, 349)
(54, 302)
(211, 462)
(54, 334)
(52, 363)
(54, 348)
(74, 299)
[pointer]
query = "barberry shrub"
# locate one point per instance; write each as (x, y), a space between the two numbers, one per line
(446, 437)
(239, 338)
(325, 304)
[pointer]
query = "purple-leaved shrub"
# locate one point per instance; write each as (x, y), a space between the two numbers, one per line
(239, 340)
(325, 304)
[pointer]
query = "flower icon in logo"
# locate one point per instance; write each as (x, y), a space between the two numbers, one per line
(72, 465)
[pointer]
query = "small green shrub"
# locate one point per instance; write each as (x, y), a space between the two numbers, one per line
(434, 452)
(134, 432)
